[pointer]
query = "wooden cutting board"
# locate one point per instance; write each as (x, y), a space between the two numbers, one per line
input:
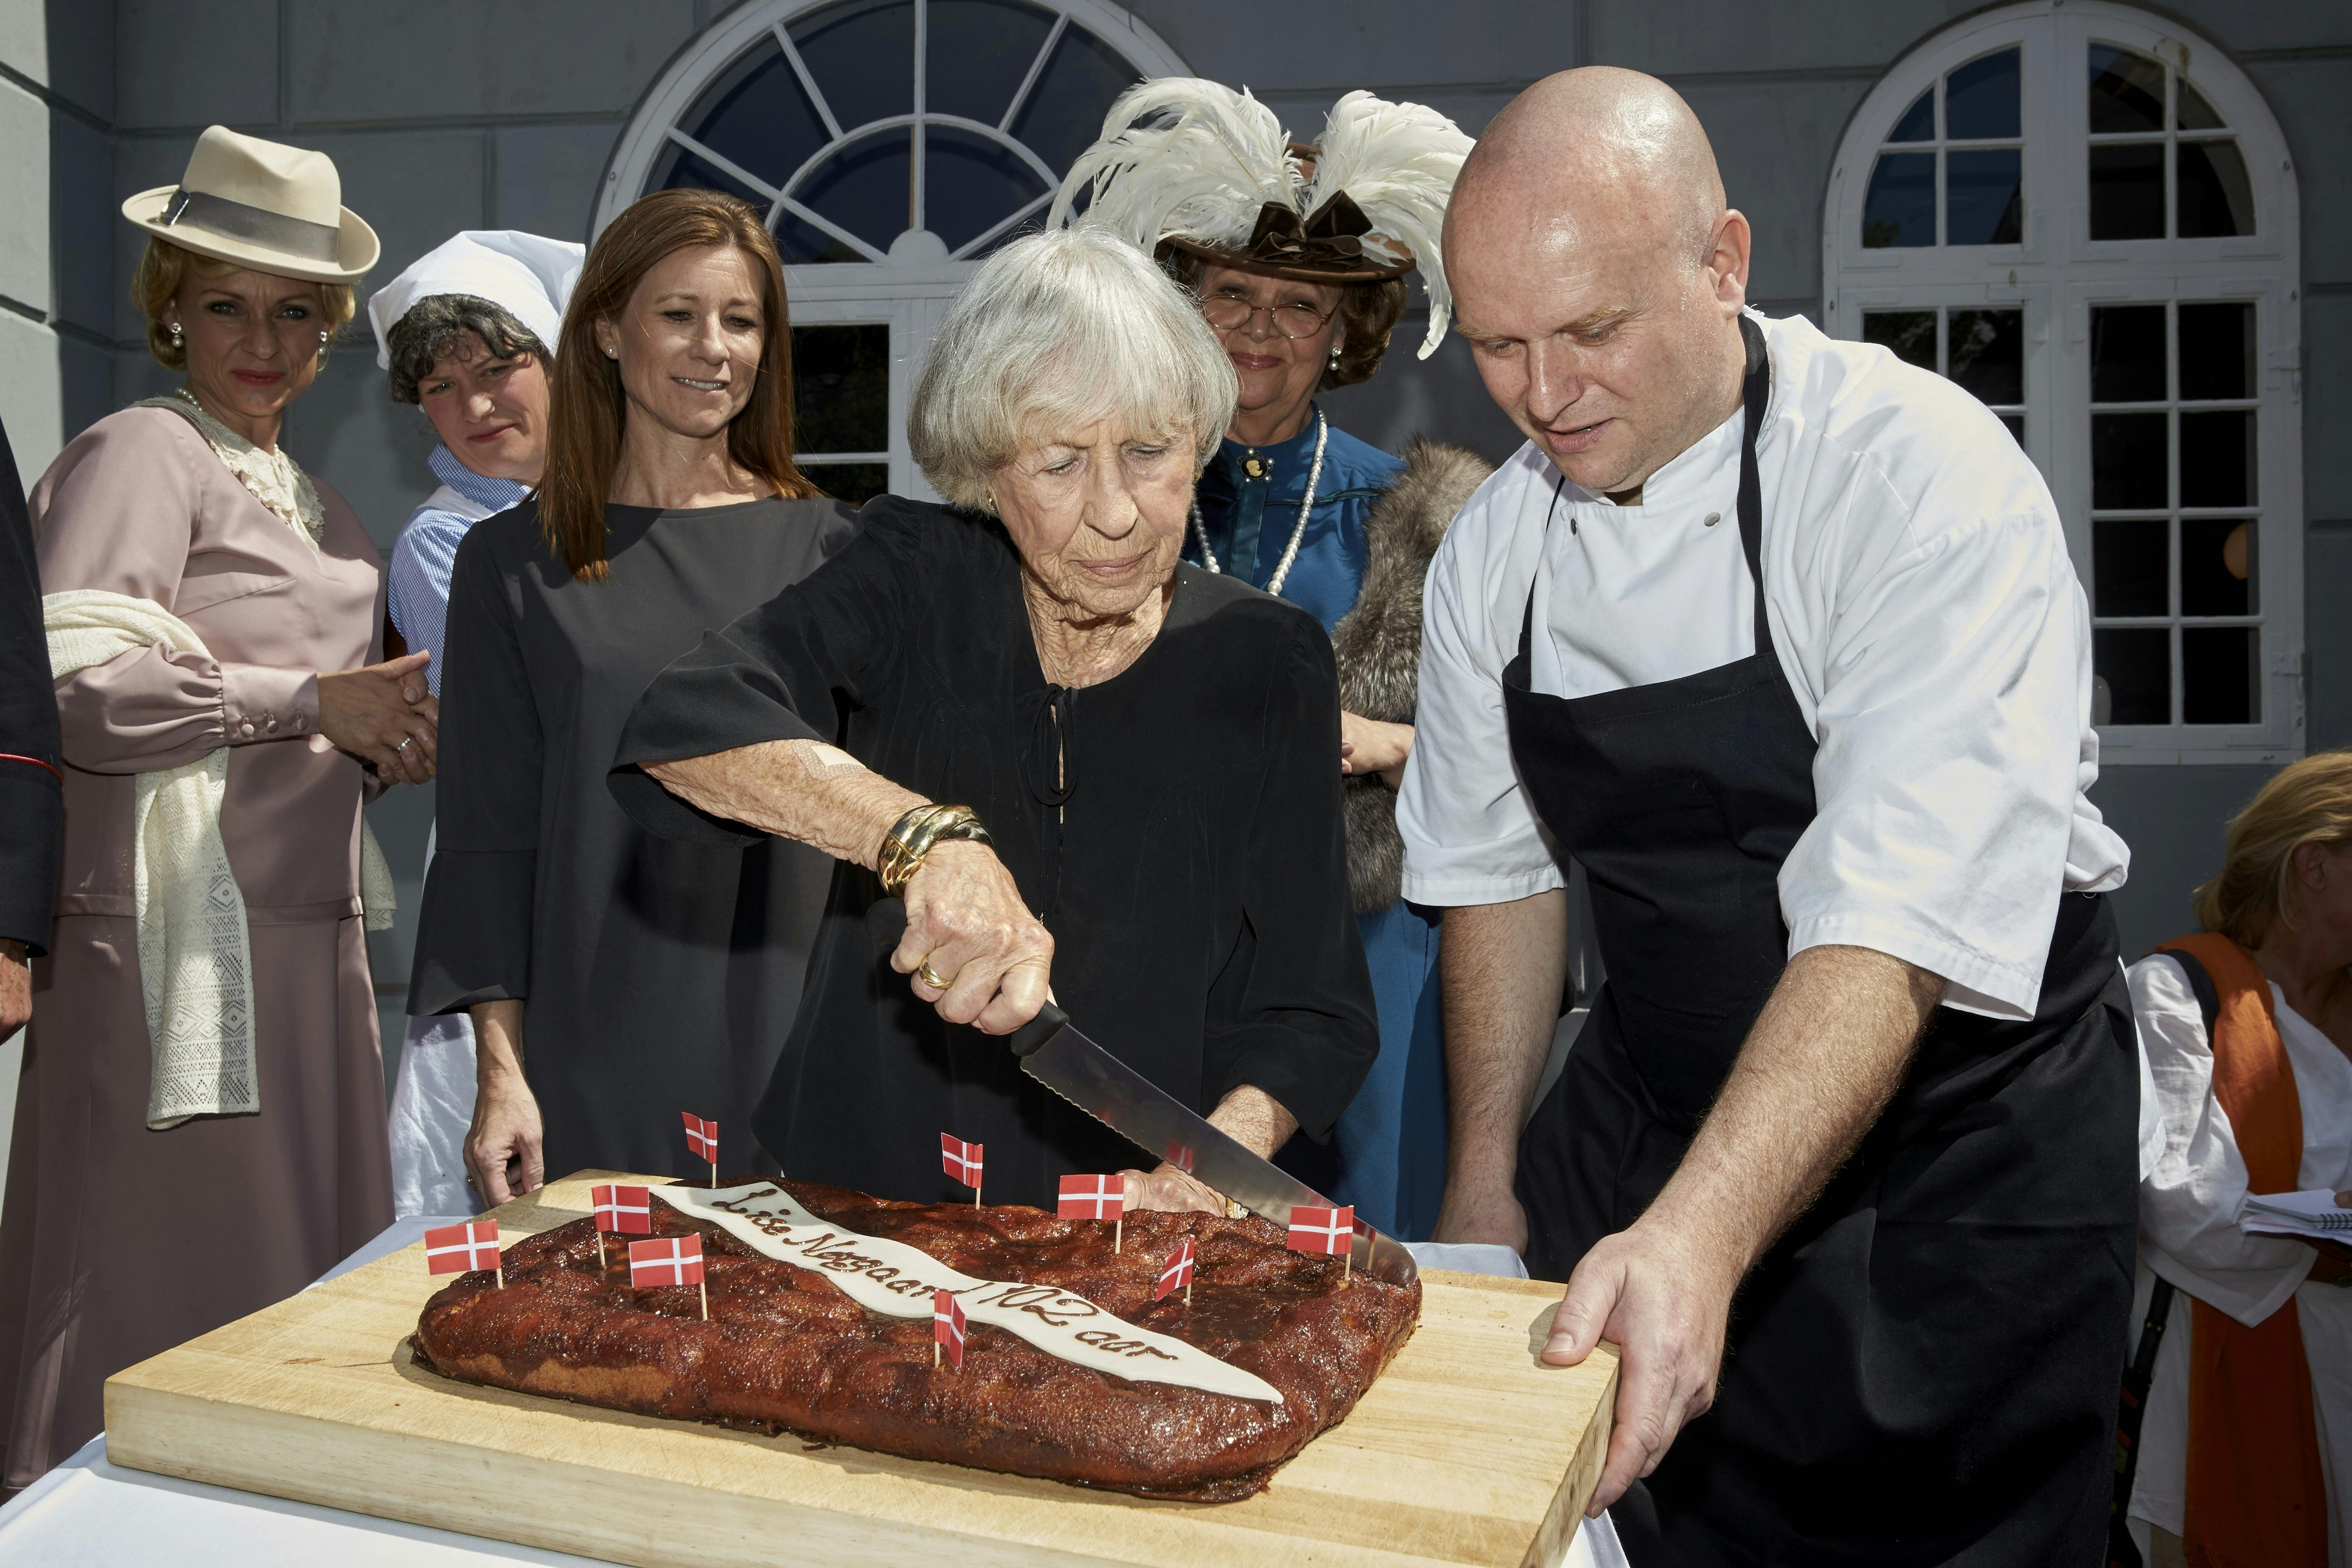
(1467, 1451)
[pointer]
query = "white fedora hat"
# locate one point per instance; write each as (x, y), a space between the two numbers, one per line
(261, 204)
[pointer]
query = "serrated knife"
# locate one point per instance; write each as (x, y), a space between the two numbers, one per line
(1056, 1055)
(1064, 1060)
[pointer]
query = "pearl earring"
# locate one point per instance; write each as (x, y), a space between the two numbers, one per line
(322, 338)
(1334, 356)
(179, 338)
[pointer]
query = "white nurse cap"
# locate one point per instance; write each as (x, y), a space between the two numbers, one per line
(528, 274)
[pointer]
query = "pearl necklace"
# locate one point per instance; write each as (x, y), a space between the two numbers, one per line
(1297, 532)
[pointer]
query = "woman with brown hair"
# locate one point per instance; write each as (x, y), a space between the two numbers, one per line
(200, 1127)
(2246, 1446)
(615, 979)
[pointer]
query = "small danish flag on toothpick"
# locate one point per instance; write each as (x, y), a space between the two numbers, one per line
(1330, 1232)
(668, 1260)
(961, 1160)
(702, 1139)
(461, 1248)
(1176, 1271)
(623, 1210)
(947, 1327)
(1095, 1197)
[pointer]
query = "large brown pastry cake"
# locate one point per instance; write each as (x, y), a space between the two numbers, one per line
(786, 1349)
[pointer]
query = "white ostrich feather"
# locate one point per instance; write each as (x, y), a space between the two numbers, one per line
(1182, 156)
(1397, 161)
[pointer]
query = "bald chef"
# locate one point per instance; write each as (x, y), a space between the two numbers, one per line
(1778, 637)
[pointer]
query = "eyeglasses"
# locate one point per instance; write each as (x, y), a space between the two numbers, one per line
(1233, 313)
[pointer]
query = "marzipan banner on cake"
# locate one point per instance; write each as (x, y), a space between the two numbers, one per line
(895, 1280)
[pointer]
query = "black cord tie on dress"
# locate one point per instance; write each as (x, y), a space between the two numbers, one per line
(1049, 765)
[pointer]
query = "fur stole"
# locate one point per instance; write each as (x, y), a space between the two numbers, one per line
(1379, 644)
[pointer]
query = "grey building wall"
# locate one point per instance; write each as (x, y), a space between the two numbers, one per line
(445, 114)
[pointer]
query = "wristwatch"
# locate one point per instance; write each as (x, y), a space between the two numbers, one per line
(912, 835)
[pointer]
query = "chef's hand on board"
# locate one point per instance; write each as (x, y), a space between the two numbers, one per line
(1664, 1301)
(967, 927)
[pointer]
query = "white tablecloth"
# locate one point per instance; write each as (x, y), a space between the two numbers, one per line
(90, 1513)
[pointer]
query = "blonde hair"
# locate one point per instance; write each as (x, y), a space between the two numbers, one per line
(166, 265)
(2309, 802)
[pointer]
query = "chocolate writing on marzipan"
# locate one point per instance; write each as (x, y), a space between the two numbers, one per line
(895, 1280)
(831, 1252)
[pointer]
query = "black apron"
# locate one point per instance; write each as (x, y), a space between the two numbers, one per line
(1923, 1370)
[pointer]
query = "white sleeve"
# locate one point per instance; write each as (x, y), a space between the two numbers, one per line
(1470, 835)
(2189, 1205)
(1949, 735)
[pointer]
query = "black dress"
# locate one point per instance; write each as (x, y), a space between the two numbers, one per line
(658, 976)
(32, 799)
(1190, 867)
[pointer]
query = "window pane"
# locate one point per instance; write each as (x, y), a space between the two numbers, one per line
(2126, 91)
(980, 51)
(1919, 122)
(855, 483)
(2218, 666)
(2136, 665)
(862, 54)
(841, 388)
(2216, 198)
(864, 187)
(682, 170)
(803, 244)
(1899, 209)
(973, 184)
(2128, 353)
(1982, 197)
(2189, 110)
(2129, 567)
(2217, 458)
(2127, 461)
(1065, 109)
(756, 116)
(1910, 333)
(2016, 426)
(1987, 353)
(1981, 98)
(2217, 351)
(2217, 566)
(2127, 191)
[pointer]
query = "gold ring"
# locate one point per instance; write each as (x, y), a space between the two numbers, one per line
(929, 977)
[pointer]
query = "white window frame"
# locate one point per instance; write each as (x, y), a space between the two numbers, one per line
(908, 286)
(2058, 272)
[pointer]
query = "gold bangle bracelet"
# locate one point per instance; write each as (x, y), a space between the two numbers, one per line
(911, 838)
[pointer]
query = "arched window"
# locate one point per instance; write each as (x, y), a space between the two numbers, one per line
(891, 143)
(2086, 216)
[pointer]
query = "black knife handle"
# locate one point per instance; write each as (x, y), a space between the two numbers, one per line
(1050, 1021)
(885, 921)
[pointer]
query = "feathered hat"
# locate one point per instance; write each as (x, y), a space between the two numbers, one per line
(1196, 165)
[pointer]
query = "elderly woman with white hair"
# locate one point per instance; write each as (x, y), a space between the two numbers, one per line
(1083, 764)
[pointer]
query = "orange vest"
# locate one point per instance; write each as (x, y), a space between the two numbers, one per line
(2255, 1498)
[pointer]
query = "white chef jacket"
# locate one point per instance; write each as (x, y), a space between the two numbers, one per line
(2189, 1207)
(1922, 604)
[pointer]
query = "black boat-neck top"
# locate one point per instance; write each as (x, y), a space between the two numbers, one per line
(1191, 862)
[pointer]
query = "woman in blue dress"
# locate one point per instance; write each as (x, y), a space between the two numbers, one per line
(1298, 256)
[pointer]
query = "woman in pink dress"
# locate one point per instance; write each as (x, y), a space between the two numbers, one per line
(200, 1125)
